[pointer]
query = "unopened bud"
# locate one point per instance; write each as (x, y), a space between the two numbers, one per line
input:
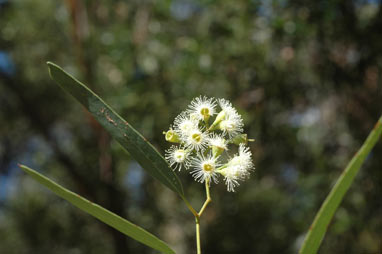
(217, 151)
(220, 117)
(241, 139)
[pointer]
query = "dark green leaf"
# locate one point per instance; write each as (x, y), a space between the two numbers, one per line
(146, 155)
(101, 213)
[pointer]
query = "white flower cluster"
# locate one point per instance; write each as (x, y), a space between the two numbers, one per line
(200, 145)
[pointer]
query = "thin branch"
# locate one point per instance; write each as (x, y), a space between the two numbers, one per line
(208, 200)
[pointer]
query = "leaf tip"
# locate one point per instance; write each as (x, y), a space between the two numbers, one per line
(51, 64)
(51, 67)
(23, 167)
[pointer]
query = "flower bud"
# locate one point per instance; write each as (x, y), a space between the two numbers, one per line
(217, 151)
(240, 139)
(220, 117)
(218, 144)
(172, 136)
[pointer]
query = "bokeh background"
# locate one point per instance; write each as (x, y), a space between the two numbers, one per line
(305, 75)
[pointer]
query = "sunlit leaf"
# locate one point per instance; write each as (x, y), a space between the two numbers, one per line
(320, 224)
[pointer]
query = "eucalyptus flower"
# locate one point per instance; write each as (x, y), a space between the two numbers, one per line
(178, 157)
(243, 161)
(231, 177)
(237, 169)
(228, 120)
(195, 139)
(205, 168)
(202, 107)
(184, 123)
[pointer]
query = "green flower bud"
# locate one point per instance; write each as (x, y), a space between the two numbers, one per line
(172, 136)
(241, 139)
(218, 144)
(220, 117)
(222, 170)
(216, 151)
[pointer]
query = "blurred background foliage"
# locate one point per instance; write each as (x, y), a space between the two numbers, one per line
(306, 75)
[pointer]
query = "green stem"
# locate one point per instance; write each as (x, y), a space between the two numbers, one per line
(222, 167)
(208, 200)
(197, 216)
(198, 248)
(206, 123)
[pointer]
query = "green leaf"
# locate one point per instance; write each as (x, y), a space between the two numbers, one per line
(142, 151)
(320, 224)
(101, 213)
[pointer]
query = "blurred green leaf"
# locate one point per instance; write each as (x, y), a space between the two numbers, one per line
(101, 213)
(142, 151)
(325, 214)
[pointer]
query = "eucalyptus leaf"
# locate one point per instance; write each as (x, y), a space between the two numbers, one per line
(321, 222)
(142, 151)
(104, 215)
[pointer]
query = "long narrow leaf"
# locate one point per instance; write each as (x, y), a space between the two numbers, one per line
(101, 213)
(142, 151)
(325, 214)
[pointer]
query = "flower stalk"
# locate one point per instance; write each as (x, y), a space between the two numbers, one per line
(197, 224)
(208, 200)
(198, 215)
